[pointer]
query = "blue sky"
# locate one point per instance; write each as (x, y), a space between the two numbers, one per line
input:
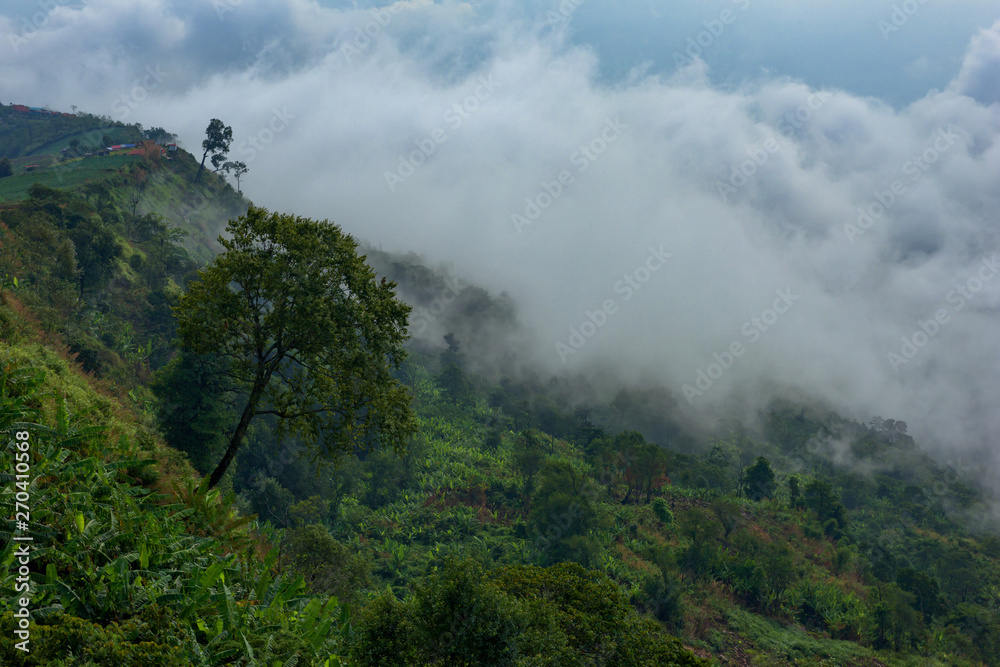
(825, 43)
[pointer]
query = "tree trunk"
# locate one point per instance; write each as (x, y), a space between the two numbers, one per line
(201, 167)
(241, 429)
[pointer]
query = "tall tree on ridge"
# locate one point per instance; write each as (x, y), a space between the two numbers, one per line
(218, 137)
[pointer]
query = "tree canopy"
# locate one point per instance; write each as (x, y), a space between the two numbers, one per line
(296, 318)
(758, 480)
(238, 170)
(218, 137)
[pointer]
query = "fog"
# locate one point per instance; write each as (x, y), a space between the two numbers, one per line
(733, 238)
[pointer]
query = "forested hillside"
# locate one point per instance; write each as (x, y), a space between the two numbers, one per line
(526, 520)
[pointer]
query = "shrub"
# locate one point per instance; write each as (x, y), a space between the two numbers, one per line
(385, 634)
(154, 637)
(578, 549)
(329, 567)
(662, 511)
(493, 440)
(593, 615)
(523, 615)
(660, 596)
(456, 617)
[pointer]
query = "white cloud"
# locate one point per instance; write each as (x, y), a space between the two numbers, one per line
(980, 75)
(784, 227)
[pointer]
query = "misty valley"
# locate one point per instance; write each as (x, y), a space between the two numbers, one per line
(471, 334)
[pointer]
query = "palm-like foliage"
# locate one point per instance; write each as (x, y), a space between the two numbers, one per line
(104, 549)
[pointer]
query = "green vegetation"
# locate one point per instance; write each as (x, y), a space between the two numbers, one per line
(521, 615)
(69, 177)
(107, 299)
(66, 149)
(22, 135)
(297, 320)
(237, 170)
(218, 137)
(515, 524)
(118, 574)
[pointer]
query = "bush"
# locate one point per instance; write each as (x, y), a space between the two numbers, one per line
(154, 637)
(329, 567)
(524, 615)
(493, 440)
(644, 643)
(593, 615)
(578, 549)
(660, 596)
(811, 530)
(386, 633)
(662, 511)
(456, 617)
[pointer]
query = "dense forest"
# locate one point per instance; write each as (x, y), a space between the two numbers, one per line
(489, 515)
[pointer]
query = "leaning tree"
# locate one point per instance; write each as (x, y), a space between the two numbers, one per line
(218, 137)
(296, 318)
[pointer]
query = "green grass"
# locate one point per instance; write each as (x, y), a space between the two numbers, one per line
(43, 161)
(200, 210)
(793, 645)
(119, 135)
(24, 135)
(67, 177)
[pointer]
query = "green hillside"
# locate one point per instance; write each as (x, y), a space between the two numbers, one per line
(65, 150)
(530, 520)
(74, 176)
(25, 134)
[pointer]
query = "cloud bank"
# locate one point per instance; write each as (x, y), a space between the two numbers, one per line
(733, 244)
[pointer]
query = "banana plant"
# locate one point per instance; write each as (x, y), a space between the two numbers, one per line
(8, 282)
